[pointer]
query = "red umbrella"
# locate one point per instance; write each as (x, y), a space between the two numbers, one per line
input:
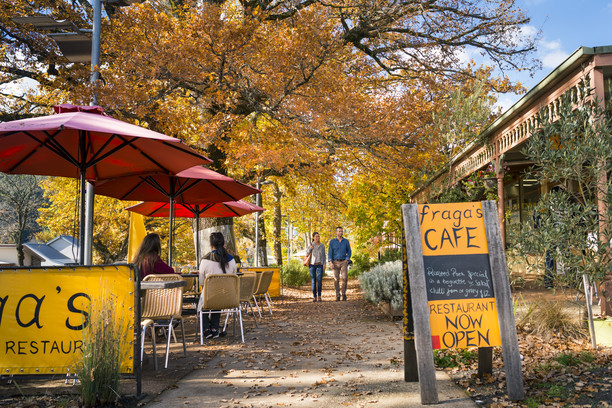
(89, 146)
(196, 185)
(226, 209)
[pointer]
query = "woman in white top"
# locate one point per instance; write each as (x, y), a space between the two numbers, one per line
(317, 265)
(217, 261)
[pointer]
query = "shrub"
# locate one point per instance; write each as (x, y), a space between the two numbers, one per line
(390, 255)
(384, 283)
(361, 263)
(294, 273)
(549, 319)
(99, 368)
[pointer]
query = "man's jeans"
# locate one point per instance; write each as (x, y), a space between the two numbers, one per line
(316, 276)
(340, 269)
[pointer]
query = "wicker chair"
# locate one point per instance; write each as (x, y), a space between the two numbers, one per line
(220, 294)
(191, 295)
(248, 280)
(265, 278)
(162, 308)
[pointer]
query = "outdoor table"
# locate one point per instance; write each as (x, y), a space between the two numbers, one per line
(161, 284)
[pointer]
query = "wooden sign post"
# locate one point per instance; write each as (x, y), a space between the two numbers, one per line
(459, 287)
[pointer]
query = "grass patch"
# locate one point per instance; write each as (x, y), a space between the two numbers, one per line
(451, 358)
(550, 319)
(104, 343)
(557, 391)
(572, 360)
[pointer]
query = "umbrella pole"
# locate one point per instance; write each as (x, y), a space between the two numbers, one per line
(82, 231)
(197, 207)
(171, 232)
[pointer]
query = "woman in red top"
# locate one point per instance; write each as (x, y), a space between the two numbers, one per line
(147, 257)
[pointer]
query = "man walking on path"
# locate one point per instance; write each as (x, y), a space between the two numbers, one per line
(339, 254)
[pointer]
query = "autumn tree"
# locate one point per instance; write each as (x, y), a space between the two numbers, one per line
(20, 198)
(280, 89)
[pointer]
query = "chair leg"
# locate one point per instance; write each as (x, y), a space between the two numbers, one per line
(173, 333)
(170, 330)
(183, 336)
(268, 301)
(226, 319)
(195, 339)
(142, 341)
(201, 328)
(246, 306)
(154, 346)
(234, 325)
(253, 312)
(241, 328)
(257, 305)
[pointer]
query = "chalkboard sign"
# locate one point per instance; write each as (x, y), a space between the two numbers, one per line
(461, 302)
(458, 277)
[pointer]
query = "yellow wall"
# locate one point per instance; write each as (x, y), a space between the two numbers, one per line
(274, 290)
(43, 315)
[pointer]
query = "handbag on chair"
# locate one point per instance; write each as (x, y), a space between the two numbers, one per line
(306, 260)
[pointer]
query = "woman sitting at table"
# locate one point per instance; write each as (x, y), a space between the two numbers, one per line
(147, 257)
(217, 261)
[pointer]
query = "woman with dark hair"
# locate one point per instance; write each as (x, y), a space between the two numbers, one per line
(147, 257)
(317, 264)
(217, 261)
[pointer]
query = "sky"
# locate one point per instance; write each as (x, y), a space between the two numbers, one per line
(564, 26)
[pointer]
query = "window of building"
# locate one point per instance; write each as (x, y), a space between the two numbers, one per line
(520, 197)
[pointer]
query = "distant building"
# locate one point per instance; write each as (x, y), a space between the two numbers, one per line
(9, 256)
(63, 250)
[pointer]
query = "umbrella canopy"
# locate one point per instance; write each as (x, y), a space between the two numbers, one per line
(88, 145)
(196, 185)
(226, 209)
(95, 146)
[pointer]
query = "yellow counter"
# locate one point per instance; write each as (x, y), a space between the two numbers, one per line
(274, 290)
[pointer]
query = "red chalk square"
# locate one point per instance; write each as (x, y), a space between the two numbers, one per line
(435, 342)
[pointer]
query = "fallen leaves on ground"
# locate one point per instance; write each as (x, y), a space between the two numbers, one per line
(557, 372)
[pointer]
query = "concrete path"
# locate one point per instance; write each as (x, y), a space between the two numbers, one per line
(307, 354)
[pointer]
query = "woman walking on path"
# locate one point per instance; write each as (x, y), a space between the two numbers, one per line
(147, 257)
(218, 261)
(317, 263)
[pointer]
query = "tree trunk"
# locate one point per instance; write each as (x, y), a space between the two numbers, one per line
(222, 225)
(278, 216)
(263, 244)
(20, 253)
(21, 225)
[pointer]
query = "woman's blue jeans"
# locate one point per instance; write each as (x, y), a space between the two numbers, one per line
(316, 276)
